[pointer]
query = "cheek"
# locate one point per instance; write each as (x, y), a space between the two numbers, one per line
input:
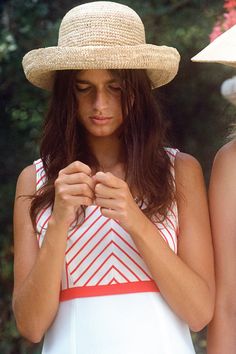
(83, 107)
(117, 105)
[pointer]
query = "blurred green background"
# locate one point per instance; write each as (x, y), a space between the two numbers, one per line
(198, 116)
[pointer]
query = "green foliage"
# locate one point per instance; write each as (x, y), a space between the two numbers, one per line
(199, 116)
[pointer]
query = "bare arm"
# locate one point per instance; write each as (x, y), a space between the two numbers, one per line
(37, 272)
(185, 280)
(222, 195)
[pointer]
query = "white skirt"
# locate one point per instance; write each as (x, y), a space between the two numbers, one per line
(137, 323)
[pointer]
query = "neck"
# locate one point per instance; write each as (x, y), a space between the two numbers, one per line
(108, 152)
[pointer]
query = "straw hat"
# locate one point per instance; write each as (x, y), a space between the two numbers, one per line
(101, 35)
(221, 50)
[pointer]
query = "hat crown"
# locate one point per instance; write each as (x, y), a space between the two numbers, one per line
(101, 23)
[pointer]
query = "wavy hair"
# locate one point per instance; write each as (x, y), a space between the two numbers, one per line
(143, 136)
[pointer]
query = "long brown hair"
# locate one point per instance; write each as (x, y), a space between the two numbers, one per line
(147, 165)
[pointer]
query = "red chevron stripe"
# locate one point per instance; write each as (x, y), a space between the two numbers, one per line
(127, 255)
(85, 220)
(127, 243)
(173, 213)
(131, 259)
(38, 162)
(113, 279)
(112, 267)
(170, 235)
(38, 169)
(171, 153)
(41, 178)
(42, 227)
(114, 255)
(171, 222)
(88, 241)
(91, 249)
(98, 244)
(92, 262)
(41, 214)
(176, 228)
(111, 242)
(79, 238)
(164, 237)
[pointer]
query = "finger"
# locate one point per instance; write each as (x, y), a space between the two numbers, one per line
(104, 191)
(77, 190)
(109, 179)
(106, 203)
(76, 166)
(111, 214)
(77, 178)
(78, 201)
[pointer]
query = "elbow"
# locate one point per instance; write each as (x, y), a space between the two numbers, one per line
(31, 333)
(32, 325)
(203, 314)
(28, 329)
(198, 326)
(200, 322)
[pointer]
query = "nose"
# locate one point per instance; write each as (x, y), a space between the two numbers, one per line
(100, 100)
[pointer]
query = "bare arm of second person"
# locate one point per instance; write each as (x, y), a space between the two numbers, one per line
(222, 196)
(36, 289)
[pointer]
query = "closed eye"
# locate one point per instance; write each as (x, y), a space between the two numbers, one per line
(82, 88)
(115, 87)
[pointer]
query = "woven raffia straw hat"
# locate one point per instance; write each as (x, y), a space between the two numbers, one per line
(101, 35)
(221, 50)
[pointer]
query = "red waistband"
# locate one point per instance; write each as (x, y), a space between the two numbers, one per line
(111, 289)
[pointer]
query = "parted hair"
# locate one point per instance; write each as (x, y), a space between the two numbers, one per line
(143, 138)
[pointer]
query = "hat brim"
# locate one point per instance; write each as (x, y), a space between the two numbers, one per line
(161, 62)
(222, 50)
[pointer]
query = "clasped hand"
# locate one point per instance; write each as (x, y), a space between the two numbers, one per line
(75, 186)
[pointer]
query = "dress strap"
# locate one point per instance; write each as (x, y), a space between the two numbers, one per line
(40, 174)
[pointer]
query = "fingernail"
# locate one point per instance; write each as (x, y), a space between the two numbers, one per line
(100, 173)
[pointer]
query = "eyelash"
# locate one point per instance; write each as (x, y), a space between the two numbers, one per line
(82, 89)
(118, 88)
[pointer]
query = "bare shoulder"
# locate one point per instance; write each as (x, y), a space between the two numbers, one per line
(223, 175)
(225, 158)
(25, 242)
(26, 182)
(187, 169)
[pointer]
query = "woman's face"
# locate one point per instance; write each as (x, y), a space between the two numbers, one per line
(99, 102)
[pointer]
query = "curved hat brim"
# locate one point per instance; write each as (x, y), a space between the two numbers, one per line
(161, 62)
(222, 50)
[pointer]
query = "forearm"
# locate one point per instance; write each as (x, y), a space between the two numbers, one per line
(183, 289)
(221, 331)
(36, 301)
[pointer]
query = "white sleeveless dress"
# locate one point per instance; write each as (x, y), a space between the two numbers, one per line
(109, 303)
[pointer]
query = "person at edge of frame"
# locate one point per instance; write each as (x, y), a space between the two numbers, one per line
(222, 199)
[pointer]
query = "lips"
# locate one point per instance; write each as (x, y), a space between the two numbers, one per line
(100, 119)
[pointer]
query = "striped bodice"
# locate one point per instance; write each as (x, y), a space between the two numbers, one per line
(101, 257)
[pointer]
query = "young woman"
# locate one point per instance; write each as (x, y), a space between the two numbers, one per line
(222, 196)
(112, 239)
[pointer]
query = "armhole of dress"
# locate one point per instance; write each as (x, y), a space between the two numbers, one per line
(40, 181)
(40, 174)
(172, 156)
